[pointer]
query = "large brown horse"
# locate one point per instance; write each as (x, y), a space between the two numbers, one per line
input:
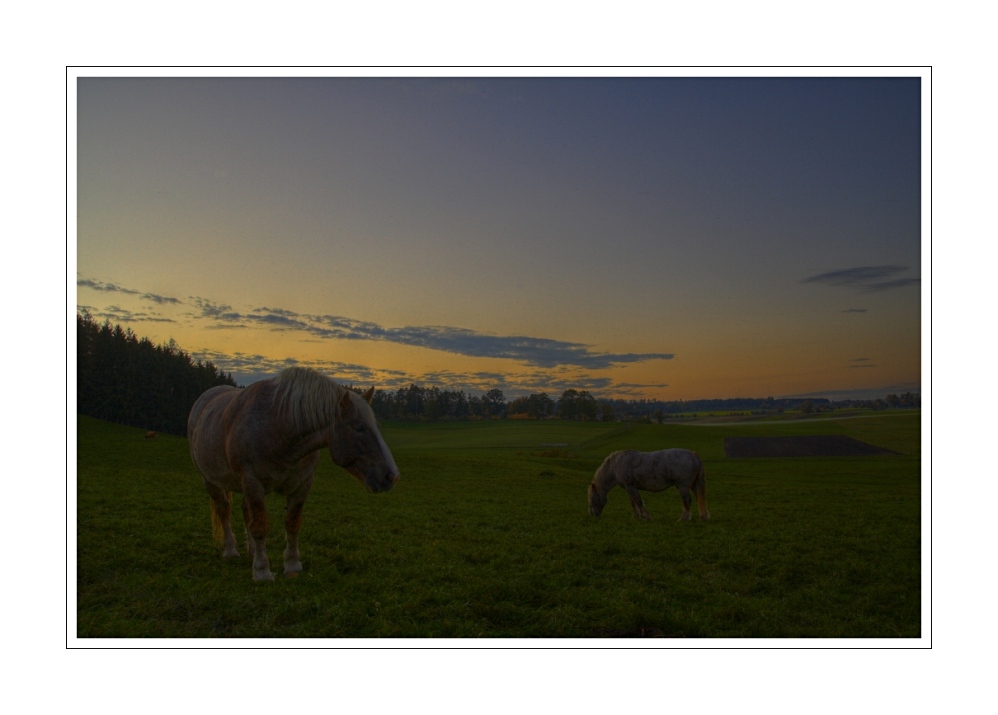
(266, 438)
(653, 472)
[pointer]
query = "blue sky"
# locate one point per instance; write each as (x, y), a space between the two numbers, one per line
(670, 238)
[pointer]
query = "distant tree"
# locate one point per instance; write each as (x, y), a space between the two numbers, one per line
(495, 403)
(537, 406)
(459, 408)
(126, 379)
(476, 407)
(606, 412)
(587, 407)
(893, 401)
(807, 406)
(518, 408)
(568, 405)
(541, 406)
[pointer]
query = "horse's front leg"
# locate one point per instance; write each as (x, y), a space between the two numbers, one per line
(257, 527)
(637, 505)
(292, 525)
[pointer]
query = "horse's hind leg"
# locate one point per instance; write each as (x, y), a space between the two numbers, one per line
(257, 527)
(684, 493)
(700, 487)
(292, 525)
(637, 504)
(221, 519)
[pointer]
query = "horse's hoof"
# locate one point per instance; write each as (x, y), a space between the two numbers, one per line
(263, 576)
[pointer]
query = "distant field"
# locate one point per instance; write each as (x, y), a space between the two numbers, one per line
(487, 535)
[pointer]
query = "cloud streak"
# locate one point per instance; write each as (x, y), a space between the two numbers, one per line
(117, 314)
(530, 351)
(865, 279)
(535, 352)
(115, 288)
(247, 368)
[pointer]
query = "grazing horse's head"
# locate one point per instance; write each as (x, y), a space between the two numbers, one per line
(597, 500)
(357, 444)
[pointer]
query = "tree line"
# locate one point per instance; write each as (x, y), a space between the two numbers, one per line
(431, 403)
(126, 379)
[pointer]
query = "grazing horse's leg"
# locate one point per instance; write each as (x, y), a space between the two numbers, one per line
(292, 525)
(637, 505)
(222, 512)
(684, 492)
(257, 526)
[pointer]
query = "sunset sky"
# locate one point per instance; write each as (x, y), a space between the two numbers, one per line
(665, 238)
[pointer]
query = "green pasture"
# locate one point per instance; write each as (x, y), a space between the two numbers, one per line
(487, 535)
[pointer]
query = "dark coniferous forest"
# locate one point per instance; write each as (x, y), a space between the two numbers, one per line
(123, 378)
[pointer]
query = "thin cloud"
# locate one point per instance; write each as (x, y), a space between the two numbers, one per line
(253, 367)
(161, 299)
(247, 368)
(861, 362)
(104, 287)
(865, 279)
(536, 352)
(115, 288)
(117, 314)
(854, 310)
(530, 351)
(216, 311)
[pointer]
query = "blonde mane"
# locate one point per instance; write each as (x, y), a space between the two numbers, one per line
(606, 474)
(306, 398)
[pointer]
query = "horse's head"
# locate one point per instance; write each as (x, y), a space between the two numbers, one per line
(357, 444)
(597, 500)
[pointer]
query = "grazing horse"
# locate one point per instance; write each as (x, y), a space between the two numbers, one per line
(653, 472)
(266, 438)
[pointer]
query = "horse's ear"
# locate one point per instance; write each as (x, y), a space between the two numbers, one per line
(369, 395)
(345, 400)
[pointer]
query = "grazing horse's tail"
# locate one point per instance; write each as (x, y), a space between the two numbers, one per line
(700, 486)
(217, 531)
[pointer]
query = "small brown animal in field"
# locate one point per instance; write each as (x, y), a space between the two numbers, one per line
(150, 435)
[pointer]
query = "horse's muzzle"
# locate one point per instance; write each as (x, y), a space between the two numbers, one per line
(384, 483)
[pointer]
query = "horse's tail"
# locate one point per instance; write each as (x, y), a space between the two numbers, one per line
(700, 487)
(217, 531)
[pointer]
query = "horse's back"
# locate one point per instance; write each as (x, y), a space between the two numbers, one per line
(680, 458)
(209, 396)
(665, 468)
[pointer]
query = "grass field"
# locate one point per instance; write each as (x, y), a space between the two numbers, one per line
(487, 535)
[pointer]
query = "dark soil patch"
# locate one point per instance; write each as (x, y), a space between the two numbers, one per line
(831, 445)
